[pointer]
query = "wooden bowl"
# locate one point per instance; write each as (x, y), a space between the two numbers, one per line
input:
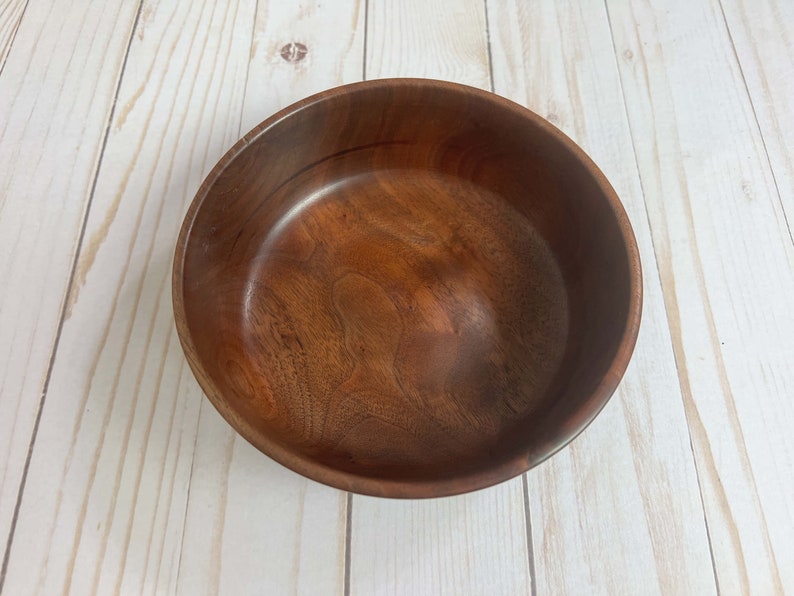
(407, 288)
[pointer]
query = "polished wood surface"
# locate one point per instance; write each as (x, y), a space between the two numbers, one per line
(407, 288)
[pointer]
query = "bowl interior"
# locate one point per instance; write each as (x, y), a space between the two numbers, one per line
(406, 289)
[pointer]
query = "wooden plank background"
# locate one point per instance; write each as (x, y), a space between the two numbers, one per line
(590, 537)
(117, 476)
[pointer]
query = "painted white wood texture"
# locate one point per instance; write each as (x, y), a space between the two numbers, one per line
(557, 59)
(726, 265)
(762, 34)
(471, 544)
(108, 479)
(111, 116)
(252, 526)
(56, 92)
(10, 15)
(437, 40)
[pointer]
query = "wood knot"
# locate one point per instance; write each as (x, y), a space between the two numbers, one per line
(747, 190)
(294, 52)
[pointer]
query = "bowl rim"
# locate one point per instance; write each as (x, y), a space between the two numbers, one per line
(425, 488)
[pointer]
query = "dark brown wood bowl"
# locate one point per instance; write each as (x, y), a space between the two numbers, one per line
(407, 288)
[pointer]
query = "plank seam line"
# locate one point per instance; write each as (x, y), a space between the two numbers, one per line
(533, 586)
(757, 122)
(524, 486)
(488, 46)
(364, 53)
(248, 69)
(64, 302)
(659, 277)
(201, 404)
(11, 47)
(187, 496)
(349, 499)
(348, 540)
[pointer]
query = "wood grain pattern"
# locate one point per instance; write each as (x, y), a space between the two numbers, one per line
(435, 40)
(333, 38)
(42, 206)
(462, 545)
(409, 27)
(107, 483)
(388, 289)
(725, 260)
(718, 229)
(762, 35)
(11, 12)
(253, 526)
(557, 58)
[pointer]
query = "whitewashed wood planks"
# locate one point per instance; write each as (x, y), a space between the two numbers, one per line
(107, 505)
(762, 34)
(473, 544)
(252, 526)
(725, 259)
(437, 40)
(104, 502)
(10, 14)
(332, 36)
(618, 511)
(56, 91)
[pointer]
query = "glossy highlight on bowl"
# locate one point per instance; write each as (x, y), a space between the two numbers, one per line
(407, 288)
